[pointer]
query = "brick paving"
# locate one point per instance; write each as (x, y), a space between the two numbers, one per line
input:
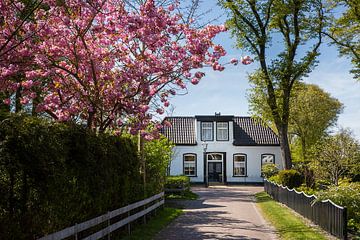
(220, 213)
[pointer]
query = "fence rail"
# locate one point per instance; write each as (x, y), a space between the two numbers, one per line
(154, 202)
(331, 217)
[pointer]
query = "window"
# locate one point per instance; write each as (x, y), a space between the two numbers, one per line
(267, 159)
(239, 165)
(222, 131)
(206, 131)
(190, 164)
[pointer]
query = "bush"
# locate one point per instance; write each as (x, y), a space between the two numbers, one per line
(269, 170)
(348, 194)
(53, 175)
(290, 178)
(177, 182)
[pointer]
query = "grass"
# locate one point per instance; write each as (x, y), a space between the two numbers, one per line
(187, 195)
(288, 225)
(149, 230)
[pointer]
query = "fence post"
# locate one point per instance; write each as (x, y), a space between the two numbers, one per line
(76, 231)
(129, 225)
(108, 223)
(344, 219)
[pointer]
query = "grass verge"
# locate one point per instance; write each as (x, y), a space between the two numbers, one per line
(149, 230)
(288, 225)
(187, 195)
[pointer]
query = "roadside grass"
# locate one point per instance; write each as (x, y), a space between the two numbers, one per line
(288, 225)
(154, 225)
(187, 195)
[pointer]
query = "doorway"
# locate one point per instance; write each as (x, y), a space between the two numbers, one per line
(215, 167)
(215, 172)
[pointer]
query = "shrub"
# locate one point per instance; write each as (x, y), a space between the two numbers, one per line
(275, 179)
(348, 194)
(269, 170)
(290, 178)
(177, 182)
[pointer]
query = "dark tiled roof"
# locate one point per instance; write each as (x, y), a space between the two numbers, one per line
(247, 131)
(251, 132)
(182, 130)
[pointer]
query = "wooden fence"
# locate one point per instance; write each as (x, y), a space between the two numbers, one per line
(329, 216)
(147, 205)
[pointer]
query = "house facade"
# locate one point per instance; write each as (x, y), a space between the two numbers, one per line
(221, 149)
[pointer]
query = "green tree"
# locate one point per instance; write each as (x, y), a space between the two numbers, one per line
(312, 112)
(336, 157)
(294, 26)
(344, 31)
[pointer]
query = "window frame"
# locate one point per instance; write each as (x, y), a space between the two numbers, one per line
(262, 164)
(228, 132)
(195, 162)
(240, 154)
(212, 131)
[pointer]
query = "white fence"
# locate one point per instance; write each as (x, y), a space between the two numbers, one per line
(156, 200)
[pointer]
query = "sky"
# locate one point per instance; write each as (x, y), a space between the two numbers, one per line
(226, 91)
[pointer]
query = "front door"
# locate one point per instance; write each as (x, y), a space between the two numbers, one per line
(215, 172)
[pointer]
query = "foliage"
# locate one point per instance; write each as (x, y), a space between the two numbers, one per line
(293, 26)
(336, 156)
(269, 170)
(275, 179)
(312, 112)
(54, 175)
(344, 30)
(307, 190)
(290, 178)
(104, 63)
(157, 155)
(177, 182)
(345, 195)
(288, 225)
(149, 230)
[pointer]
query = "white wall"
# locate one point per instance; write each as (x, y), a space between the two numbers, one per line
(253, 157)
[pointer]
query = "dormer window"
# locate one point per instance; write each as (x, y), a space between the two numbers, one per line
(222, 131)
(207, 131)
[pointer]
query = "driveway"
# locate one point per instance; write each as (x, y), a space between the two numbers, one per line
(221, 212)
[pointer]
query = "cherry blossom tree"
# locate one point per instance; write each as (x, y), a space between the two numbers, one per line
(104, 64)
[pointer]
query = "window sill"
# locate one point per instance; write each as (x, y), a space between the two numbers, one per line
(240, 176)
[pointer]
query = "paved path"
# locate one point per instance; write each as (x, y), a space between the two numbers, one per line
(220, 213)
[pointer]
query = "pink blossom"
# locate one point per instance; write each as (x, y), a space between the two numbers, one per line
(246, 60)
(195, 81)
(160, 111)
(7, 101)
(234, 61)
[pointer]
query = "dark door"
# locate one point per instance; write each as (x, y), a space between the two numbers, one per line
(215, 172)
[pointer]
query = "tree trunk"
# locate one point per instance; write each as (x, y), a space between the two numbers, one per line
(285, 147)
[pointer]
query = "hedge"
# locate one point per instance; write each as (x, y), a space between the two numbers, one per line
(54, 175)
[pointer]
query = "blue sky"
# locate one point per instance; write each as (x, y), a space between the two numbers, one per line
(226, 91)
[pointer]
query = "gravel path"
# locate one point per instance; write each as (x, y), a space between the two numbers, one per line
(220, 213)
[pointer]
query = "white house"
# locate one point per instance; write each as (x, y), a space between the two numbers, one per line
(221, 149)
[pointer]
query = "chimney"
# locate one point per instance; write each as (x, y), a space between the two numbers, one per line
(218, 114)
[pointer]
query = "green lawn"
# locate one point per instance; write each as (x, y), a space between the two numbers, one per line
(288, 225)
(187, 195)
(149, 230)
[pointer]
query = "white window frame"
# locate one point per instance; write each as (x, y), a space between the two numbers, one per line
(224, 136)
(241, 164)
(267, 154)
(187, 165)
(207, 126)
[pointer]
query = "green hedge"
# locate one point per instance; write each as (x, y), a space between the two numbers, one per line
(290, 178)
(54, 175)
(178, 182)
